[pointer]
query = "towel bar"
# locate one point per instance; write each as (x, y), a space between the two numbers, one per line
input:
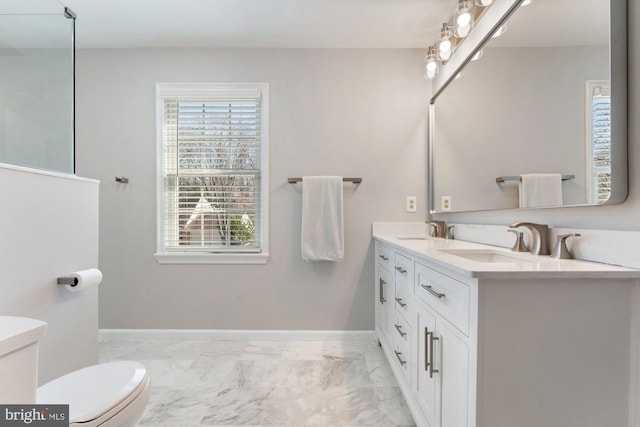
(354, 180)
(517, 178)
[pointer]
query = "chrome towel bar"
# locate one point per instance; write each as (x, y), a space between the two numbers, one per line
(354, 180)
(517, 178)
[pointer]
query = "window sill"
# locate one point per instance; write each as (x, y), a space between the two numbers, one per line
(202, 258)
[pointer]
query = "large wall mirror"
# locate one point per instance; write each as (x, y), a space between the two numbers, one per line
(539, 119)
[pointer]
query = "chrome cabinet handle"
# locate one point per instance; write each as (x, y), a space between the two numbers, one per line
(384, 258)
(400, 269)
(402, 304)
(399, 329)
(431, 362)
(426, 349)
(382, 299)
(398, 354)
(432, 292)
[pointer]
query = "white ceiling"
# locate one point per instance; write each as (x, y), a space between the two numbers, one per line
(259, 23)
(306, 23)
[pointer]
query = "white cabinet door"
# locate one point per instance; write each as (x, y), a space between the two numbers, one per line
(453, 367)
(443, 370)
(425, 388)
(384, 299)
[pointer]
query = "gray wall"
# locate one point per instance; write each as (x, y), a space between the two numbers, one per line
(49, 228)
(625, 216)
(333, 112)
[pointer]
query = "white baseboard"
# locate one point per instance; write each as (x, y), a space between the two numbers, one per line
(107, 335)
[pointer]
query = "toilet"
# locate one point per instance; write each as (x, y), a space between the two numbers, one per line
(110, 394)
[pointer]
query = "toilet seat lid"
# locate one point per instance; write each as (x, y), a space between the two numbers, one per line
(92, 391)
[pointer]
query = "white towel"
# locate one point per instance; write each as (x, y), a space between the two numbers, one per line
(540, 190)
(322, 223)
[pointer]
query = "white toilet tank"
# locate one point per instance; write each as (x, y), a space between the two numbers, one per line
(19, 338)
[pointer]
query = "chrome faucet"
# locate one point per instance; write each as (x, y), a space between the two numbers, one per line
(438, 228)
(539, 234)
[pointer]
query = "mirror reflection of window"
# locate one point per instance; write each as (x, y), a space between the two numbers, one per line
(598, 140)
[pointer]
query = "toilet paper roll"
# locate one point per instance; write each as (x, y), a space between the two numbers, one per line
(84, 279)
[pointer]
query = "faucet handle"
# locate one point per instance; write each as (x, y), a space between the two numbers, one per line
(561, 251)
(449, 232)
(519, 245)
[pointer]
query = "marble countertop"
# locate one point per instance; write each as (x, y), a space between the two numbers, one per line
(452, 255)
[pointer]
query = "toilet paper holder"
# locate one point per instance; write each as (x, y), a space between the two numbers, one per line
(80, 280)
(73, 281)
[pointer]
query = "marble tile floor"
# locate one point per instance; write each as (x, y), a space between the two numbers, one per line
(272, 383)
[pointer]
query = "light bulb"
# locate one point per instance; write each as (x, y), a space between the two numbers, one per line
(463, 18)
(478, 55)
(500, 31)
(484, 3)
(445, 47)
(430, 64)
(526, 2)
(444, 50)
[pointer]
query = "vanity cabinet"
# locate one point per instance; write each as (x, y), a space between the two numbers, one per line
(394, 278)
(506, 348)
(442, 383)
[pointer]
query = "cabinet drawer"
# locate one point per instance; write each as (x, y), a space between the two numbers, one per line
(384, 256)
(446, 295)
(400, 358)
(401, 330)
(403, 268)
(403, 300)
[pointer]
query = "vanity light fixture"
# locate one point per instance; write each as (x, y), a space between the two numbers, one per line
(463, 18)
(453, 32)
(526, 2)
(431, 67)
(445, 44)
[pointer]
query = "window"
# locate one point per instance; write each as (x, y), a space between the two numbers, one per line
(212, 183)
(598, 141)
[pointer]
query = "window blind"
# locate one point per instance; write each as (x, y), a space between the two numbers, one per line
(212, 174)
(601, 142)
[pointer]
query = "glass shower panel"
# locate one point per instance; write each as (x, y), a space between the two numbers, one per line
(37, 91)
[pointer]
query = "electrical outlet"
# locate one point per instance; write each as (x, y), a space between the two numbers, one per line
(445, 203)
(411, 203)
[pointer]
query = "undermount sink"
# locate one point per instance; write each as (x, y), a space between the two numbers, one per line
(490, 256)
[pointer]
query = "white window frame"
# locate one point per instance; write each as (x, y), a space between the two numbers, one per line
(209, 91)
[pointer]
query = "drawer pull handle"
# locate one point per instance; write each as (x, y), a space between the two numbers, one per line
(384, 258)
(398, 354)
(399, 329)
(401, 270)
(426, 349)
(402, 304)
(382, 283)
(432, 292)
(431, 362)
